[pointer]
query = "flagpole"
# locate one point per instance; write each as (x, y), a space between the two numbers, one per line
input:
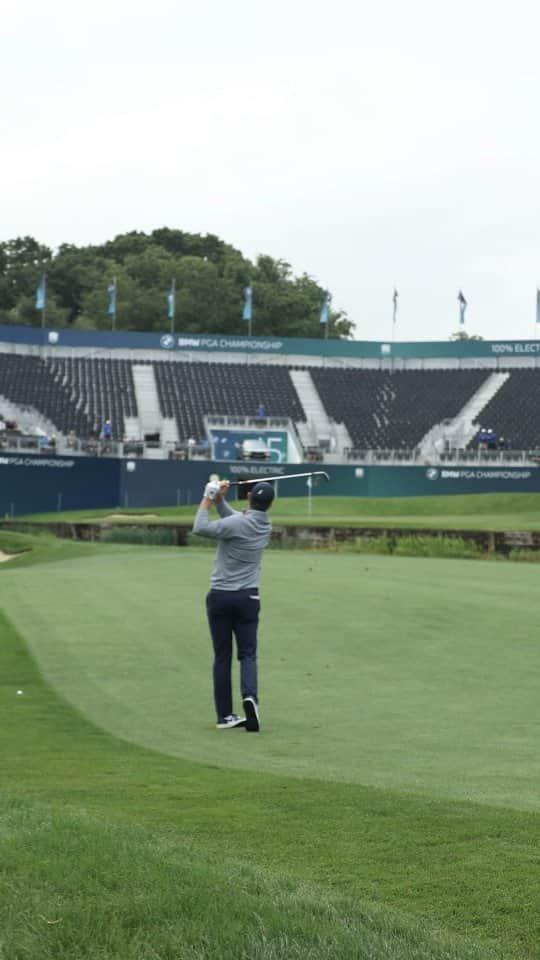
(114, 306)
(394, 318)
(248, 305)
(43, 324)
(324, 315)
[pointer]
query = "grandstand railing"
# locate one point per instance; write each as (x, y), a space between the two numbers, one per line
(93, 447)
(262, 423)
(455, 456)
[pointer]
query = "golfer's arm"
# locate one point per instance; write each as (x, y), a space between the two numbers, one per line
(223, 508)
(215, 529)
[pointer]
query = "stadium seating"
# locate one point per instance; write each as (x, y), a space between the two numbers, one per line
(514, 412)
(74, 393)
(99, 389)
(189, 391)
(385, 412)
(29, 382)
(394, 410)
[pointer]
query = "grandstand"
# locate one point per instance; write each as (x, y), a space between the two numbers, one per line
(189, 392)
(335, 409)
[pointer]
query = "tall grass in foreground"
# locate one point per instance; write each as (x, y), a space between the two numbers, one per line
(76, 887)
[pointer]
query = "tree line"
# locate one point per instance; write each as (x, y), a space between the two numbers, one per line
(210, 278)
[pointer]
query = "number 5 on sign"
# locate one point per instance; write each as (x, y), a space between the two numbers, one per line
(276, 446)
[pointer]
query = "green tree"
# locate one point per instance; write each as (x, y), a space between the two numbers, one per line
(22, 263)
(210, 278)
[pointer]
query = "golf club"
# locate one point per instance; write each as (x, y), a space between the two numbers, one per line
(282, 476)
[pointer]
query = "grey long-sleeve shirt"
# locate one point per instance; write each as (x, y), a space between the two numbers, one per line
(241, 538)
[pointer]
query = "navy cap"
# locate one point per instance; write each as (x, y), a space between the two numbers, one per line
(262, 495)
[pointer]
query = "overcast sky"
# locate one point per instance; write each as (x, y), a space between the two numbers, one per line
(369, 144)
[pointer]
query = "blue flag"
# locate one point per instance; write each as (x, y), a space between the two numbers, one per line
(248, 294)
(111, 290)
(171, 300)
(538, 306)
(324, 308)
(41, 294)
(462, 307)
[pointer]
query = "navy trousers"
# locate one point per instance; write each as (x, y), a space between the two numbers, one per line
(233, 612)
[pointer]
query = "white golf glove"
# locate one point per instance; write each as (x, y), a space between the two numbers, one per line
(212, 489)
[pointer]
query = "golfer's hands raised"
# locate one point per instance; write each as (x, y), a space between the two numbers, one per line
(215, 489)
(212, 489)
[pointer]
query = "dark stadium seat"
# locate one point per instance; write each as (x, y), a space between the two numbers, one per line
(514, 411)
(29, 382)
(189, 391)
(99, 389)
(393, 410)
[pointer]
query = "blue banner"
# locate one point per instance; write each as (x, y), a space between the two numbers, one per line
(462, 307)
(248, 295)
(324, 308)
(111, 290)
(41, 294)
(171, 301)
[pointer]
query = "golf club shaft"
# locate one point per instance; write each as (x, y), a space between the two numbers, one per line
(282, 476)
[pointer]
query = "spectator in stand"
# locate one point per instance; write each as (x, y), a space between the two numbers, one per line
(106, 431)
(491, 439)
(260, 412)
(481, 439)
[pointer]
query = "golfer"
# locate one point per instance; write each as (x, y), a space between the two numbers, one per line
(233, 603)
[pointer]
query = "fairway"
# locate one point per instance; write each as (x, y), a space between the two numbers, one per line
(401, 673)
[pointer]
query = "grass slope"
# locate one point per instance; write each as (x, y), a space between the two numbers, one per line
(108, 850)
